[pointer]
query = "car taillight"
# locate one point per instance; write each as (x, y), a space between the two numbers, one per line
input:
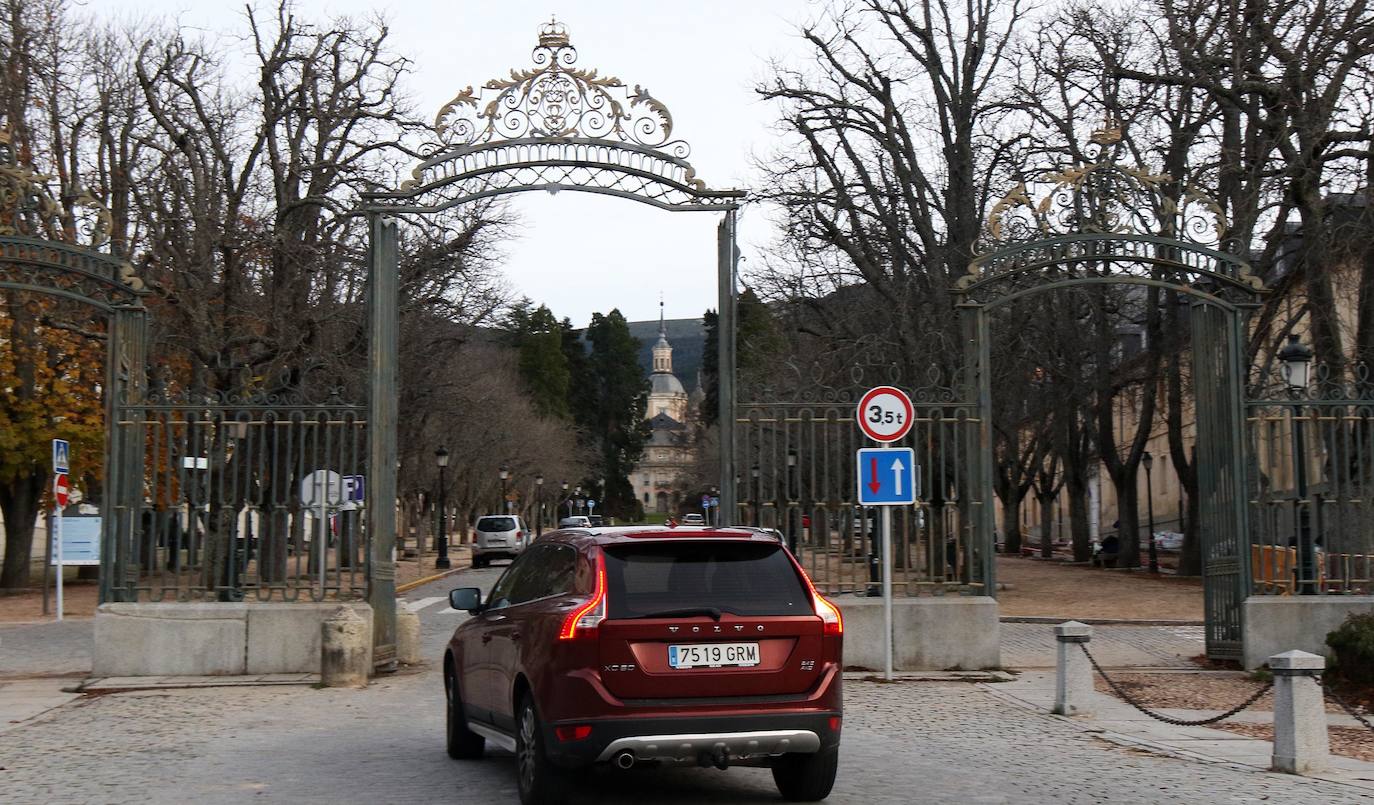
(833, 622)
(519, 535)
(582, 622)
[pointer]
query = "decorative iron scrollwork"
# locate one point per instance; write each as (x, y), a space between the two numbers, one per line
(1108, 198)
(557, 99)
(28, 208)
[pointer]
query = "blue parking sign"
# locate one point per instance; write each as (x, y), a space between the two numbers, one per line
(887, 476)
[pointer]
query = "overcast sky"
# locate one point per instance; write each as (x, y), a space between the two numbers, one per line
(578, 252)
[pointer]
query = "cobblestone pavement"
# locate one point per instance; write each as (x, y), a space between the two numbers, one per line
(903, 743)
(1031, 645)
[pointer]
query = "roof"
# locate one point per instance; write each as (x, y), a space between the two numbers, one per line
(622, 535)
(662, 421)
(664, 383)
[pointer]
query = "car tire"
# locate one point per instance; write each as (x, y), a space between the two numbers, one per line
(806, 777)
(479, 561)
(463, 743)
(539, 781)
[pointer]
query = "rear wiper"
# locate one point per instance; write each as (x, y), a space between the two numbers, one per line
(686, 612)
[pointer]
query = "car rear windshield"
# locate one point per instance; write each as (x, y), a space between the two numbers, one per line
(740, 578)
(496, 524)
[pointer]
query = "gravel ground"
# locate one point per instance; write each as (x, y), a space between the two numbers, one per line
(1356, 742)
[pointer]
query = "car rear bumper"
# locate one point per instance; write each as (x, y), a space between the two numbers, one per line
(742, 739)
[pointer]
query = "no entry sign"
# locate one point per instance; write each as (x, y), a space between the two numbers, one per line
(884, 414)
(59, 488)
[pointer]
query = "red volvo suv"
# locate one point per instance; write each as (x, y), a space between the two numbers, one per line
(645, 645)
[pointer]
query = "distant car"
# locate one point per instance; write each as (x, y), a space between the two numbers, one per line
(577, 521)
(649, 646)
(692, 518)
(498, 536)
(596, 520)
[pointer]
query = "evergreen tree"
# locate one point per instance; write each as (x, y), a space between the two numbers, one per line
(619, 396)
(758, 338)
(543, 363)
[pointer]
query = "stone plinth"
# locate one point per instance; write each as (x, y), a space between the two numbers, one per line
(208, 639)
(944, 633)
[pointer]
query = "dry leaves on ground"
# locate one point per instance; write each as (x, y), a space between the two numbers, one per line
(1355, 742)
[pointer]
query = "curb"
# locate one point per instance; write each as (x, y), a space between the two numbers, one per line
(410, 585)
(1098, 621)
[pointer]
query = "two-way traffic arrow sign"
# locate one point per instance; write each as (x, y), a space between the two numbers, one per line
(887, 476)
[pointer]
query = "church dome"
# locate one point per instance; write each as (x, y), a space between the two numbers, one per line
(664, 383)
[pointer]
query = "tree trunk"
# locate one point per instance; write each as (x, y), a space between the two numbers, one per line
(1128, 511)
(19, 503)
(1046, 525)
(1078, 519)
(1011, 529)
(1190, 556)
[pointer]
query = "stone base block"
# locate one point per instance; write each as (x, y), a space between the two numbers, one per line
(946, 633)
(211, 639)
(1275, 624)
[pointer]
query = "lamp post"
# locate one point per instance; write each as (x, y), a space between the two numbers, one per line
(1148, 461)
(1296, 358)
(505, 476)
(791, 516)
(758, 496)
(538, 505)
(442, 562)
(566, 500)
(714, 512)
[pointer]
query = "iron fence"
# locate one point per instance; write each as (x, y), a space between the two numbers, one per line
(798, 475)
(1312, 462)
(240, 500)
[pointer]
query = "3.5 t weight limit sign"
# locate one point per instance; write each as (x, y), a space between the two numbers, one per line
(885, 414)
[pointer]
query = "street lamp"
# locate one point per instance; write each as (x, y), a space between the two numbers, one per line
(566, 499)
(539, 505)
(1296, 358)
(1149, 461)
(441, 459)
(505, 475)
(758, 496)
(791, 518)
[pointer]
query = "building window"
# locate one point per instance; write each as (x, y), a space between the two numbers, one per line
(646, 497)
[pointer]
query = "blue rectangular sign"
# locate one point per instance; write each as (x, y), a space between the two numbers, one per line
(887, 476)
(60, 453)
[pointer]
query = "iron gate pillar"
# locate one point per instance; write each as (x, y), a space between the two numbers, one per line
(727, 258)
(381, 440)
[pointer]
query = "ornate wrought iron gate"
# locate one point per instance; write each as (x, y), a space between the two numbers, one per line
(551, 127)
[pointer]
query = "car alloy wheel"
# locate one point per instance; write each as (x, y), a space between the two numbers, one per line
(527, 748)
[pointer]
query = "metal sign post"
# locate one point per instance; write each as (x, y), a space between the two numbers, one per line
(61, 454)
(887, 477)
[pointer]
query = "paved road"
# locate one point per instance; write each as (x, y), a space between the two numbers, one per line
(931, 743)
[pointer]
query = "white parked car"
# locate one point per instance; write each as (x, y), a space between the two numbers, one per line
(692, 518)
(498, 536)
(576, 521)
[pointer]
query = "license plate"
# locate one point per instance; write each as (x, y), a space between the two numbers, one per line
(714, 655)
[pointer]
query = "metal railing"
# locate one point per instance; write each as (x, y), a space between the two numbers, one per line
(1312, 479)
(797, 475)
(235, 502)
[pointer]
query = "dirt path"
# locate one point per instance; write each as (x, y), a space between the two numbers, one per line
(1059, 590)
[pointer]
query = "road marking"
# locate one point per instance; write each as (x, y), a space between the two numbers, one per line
(416, 606)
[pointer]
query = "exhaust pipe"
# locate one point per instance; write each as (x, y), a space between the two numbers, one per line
(624, 760)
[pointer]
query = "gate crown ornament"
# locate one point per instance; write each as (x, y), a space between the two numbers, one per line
(554, 99)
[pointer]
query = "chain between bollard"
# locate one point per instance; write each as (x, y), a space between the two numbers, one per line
(1330, 691)
(1178, 722)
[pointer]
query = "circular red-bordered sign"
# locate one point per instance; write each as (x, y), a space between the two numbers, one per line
(59, 488)
(884, 414)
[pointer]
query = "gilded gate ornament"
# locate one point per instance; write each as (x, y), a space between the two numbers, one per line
(556, 99)
(27, 207)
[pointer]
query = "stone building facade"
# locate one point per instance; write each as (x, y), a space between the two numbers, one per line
(670, 449)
